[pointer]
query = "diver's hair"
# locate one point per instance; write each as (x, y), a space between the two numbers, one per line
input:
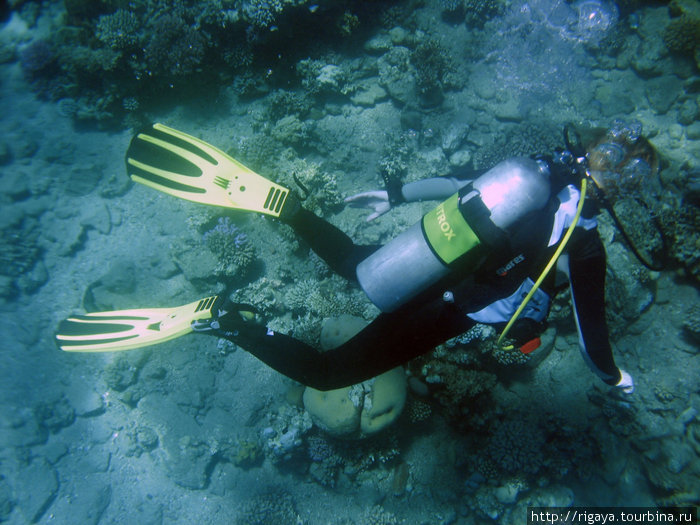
(623, 178)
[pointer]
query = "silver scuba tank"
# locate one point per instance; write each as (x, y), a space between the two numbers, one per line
(454, 232)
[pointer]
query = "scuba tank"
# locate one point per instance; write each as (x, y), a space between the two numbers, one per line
(460, 231)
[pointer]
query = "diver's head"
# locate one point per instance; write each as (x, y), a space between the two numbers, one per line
(621, 160)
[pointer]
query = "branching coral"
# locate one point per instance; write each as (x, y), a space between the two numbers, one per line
(323, 196)
(174, 46)
(516, 446)
(120, 30)
(276, 506)
(524, 139)
(682, 35)
(231, 247)
(432, 64)
(478, 12)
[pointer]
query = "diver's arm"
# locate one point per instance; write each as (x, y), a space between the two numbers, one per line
(381, 201)
(436, 188)
(586, 270)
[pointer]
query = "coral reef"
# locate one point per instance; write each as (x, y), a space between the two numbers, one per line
(520, 140)
(461, 392)
(378, 515)
(397, 74)
(691, 324)
(682, 35)
(516, 446)
(323, 196)
(174, 47)
(432, 64)
(283, 437)
(103, 53)
(231, 247)
(119, 30)
(681, 226)
(19, 253)
(478, 12)
(276, 506)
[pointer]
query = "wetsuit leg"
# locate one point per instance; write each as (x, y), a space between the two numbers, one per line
(328, 242)
(587, 278)
(390, 340)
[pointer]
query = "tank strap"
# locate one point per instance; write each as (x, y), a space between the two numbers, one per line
(478, 216)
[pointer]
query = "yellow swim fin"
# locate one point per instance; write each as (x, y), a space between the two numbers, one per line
(186, 167)
(127, 329)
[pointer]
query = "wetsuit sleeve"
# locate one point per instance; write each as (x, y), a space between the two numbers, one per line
(438, 188)
(587, 278)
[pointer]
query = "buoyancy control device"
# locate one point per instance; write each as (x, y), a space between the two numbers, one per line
(459, 232)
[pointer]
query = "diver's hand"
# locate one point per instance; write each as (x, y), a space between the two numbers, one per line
(377, 200)
(626, 383)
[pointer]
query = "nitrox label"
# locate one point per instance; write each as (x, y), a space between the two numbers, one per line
(446, 231)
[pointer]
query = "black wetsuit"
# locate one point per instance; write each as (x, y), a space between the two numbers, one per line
(428, 320)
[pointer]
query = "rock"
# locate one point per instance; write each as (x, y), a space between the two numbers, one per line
(688, 112)
(55, 414)
(60, 151)
(289, 130)
(5, 153)
(663, 92)
(418, 387)
(396, 74)
(378, 44)
(612, 101)
(399, 36)
(188, 460)
(199, 266)
(330, 77)
(97, 217)
(15, 184)
(90, 497)
(82, 180)
(20, 428)
(54, 450)
(385, 402)
(360, 410)
(85, 401)
(369, 94)
(508, 493)
(36, 489)
(333, 411)
(183, 450)
(147, 437)
(31, 281)
(453, 137)
(460, 159)
(336, 331)
(7, 286)
(693, 131)
(508, 111)
(6, 501)
(120, 278)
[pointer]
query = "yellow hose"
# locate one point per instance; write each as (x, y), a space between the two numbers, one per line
(551, 263)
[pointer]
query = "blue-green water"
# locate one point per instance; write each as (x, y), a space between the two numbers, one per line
(197, 431)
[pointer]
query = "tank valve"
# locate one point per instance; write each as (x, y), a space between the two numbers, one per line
(448, 297)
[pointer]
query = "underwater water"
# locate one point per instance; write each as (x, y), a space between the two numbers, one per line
(325, 98)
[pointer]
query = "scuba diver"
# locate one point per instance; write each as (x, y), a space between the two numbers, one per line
(482, 255)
